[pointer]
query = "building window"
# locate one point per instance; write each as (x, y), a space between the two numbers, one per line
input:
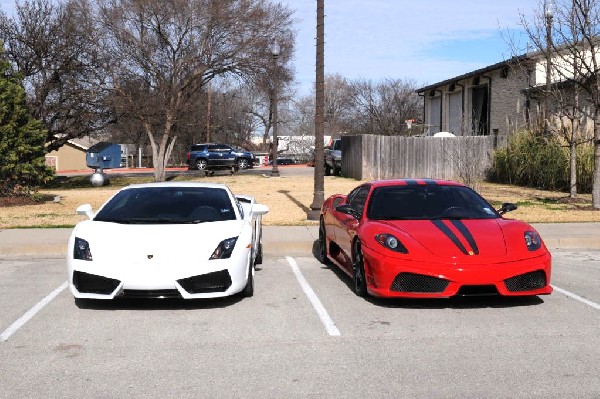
(434, 116)
(479, 111)
(455, 113)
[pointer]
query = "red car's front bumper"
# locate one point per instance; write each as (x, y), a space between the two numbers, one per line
(395, 277)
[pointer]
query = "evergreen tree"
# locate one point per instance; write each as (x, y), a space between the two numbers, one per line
(22, 138)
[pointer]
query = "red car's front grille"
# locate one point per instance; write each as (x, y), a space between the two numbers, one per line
(418, 283)
(526, 282)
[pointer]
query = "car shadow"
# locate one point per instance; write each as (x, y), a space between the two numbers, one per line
(458, 302)
(157, 303)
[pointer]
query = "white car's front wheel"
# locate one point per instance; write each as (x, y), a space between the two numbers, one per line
(248, 290)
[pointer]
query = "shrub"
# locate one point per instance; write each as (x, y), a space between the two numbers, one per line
(22, 162)
(542, 162)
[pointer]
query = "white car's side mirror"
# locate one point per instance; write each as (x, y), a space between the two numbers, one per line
(259, 209)
(86, 209)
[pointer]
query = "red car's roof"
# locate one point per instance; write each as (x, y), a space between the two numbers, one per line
(407, 182)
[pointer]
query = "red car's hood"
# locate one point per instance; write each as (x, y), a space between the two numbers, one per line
(456, 237)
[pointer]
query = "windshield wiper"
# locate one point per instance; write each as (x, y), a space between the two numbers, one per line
(113, 220)
(152, 221)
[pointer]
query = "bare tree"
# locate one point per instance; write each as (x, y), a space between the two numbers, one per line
(175, 47)
(50, 44)
(302, 115)
(338, 104)
(276, 82)
(383, 108)
(568, 37)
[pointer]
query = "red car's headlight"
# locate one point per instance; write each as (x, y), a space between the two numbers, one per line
(391, 242)
(532, 240)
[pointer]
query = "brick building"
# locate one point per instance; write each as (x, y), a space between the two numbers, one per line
(493, 101)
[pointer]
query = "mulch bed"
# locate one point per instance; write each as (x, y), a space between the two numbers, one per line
(17, 201)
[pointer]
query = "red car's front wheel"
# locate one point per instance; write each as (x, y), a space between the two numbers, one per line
(358, 271)
(322, 243)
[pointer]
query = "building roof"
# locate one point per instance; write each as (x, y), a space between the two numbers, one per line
(499, 65)
(84, 142)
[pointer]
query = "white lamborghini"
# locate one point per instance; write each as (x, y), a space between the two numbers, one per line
(163, 240)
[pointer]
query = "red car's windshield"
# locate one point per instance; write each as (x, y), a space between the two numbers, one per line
(428, 202)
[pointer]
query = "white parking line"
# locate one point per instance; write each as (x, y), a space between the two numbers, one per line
(314, 300)
(577, 297)
(31, 312)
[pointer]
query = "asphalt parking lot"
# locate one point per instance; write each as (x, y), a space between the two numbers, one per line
(303, 334)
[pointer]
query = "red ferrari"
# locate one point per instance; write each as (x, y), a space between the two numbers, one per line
(431, 238)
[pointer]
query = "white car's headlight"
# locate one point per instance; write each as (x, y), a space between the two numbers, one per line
(81, 249)
(224, 249)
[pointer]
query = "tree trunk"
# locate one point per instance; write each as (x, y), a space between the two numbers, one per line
(160, 156)
(573, 171)
(596, 177)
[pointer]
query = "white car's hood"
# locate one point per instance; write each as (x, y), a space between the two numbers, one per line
(164, 243)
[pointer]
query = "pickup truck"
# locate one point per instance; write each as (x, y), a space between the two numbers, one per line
(333, 158)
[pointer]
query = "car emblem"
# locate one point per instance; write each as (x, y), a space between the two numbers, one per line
(150, 256)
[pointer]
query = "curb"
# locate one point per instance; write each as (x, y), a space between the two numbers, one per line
(278, 240)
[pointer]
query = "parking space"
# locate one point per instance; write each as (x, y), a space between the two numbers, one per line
(24, 282)
(578, 272)
(276, 344)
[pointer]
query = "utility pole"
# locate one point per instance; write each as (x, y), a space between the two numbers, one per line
(319, 184)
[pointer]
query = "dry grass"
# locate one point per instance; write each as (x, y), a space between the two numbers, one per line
(289, 199)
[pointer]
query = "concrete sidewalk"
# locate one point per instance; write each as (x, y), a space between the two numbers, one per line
(281, 240)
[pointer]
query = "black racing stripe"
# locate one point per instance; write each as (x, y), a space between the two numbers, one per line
(446, 230)
(411, 182)
(430, 182)
(467, 234)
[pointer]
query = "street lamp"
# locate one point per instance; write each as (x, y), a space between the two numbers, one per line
(549, 14)
(275, 50)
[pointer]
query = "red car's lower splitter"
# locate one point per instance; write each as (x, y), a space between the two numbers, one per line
(393, 277)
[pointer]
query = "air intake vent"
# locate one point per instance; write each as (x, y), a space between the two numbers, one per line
(91, 284)
(418, 283)
(526, 282)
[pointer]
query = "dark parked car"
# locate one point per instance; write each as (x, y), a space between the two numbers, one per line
(211, 156)
(283, 161)
(333, 158)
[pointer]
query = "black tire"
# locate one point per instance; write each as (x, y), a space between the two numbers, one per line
(327, 170)
(259, 253)
(84, 303)
(335, 171)
(201, 164)
(248, 290)
(323, 243)
(243, 163)
(359, 280)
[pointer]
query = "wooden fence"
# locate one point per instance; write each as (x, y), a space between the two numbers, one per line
(387, 157)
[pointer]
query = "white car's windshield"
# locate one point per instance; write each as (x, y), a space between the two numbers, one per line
(168, 205)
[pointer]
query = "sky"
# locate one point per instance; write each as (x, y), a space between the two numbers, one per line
(423, 41)
(426, 41)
